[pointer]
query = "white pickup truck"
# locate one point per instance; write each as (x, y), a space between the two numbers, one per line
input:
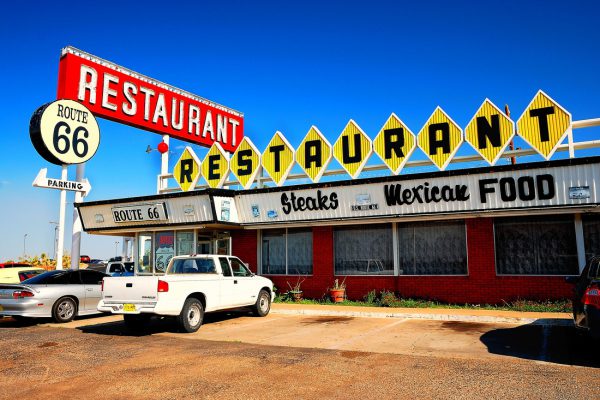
(191, 286)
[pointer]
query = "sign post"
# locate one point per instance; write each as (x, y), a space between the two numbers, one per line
(65, 132)
(61, 222)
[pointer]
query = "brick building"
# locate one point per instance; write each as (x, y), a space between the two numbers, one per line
(482, 235)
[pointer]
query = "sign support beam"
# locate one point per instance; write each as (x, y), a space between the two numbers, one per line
(61, 221)
(76, 236)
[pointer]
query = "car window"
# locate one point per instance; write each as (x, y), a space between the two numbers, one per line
(42, 278)
(225, 266)
(193, 266)
(593, 272)
(92, 277)
(116, 268)
(66, 278)
(239, 269)
(129, 267)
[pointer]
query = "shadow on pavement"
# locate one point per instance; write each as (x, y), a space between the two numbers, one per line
(562, 344)
(21, 322)
(156, 325)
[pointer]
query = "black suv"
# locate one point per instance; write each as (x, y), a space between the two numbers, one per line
(586, 297)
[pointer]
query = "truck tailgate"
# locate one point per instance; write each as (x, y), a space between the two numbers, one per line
(130, 289)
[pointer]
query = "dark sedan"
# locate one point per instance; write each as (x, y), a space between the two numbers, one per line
(586, 297)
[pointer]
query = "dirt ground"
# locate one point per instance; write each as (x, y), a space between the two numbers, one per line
(100, 359)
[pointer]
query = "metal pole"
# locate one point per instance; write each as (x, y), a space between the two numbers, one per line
(76, 236)
(24, 245)
(511, 145)
(61, 221)
(116, 246)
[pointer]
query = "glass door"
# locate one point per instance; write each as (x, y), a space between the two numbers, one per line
(205, 245)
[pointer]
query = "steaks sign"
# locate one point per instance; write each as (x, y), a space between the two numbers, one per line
(118, 94)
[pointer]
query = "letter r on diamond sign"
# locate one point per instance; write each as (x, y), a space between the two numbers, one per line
(187, 170)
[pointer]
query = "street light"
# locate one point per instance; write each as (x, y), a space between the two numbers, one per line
(116, 246)
(24, 245)
(55, 238)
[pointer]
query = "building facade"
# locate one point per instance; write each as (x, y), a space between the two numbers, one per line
(483, 235)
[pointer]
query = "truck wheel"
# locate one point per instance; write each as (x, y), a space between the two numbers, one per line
(263, 304)
(136, 322)
(191, 315)
(64, 310)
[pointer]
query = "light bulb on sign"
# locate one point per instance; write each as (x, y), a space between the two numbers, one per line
(162, 147)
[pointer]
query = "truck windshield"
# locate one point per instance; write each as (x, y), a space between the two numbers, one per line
(193, 266)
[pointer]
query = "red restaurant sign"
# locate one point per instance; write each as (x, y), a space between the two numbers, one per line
(124, 96)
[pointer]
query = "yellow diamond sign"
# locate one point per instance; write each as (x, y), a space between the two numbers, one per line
(313, 154)
(245, 163)
(440, 138)
(544, 124)
(352, 149)
(187, 170)
(394, 143)
(278, 158)
(215, 166)
(489, 132)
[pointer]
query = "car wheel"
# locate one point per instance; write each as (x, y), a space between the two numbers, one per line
(64, 310)
(263, 304)
(136, 322)
(191, 316)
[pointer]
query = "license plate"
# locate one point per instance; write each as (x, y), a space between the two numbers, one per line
(129, 307)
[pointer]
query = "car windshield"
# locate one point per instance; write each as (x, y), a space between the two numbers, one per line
(42, 278)
(193, 266)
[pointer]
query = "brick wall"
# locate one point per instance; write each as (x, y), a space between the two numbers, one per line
(243, 245)
(480, 286)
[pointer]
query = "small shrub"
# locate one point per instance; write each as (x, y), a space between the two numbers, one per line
(371, 297)
(387, 298)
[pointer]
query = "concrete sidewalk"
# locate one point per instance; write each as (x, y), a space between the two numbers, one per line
(436, 314)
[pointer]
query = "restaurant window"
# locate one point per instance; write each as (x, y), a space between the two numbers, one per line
(363, 250)
(164, 249)
(287, 252)
(536, 245)
(185, 243)
(591, 235)
(432, 248)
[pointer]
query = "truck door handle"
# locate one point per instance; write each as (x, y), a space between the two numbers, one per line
(89, 290)
(235, 282)
(129, 285)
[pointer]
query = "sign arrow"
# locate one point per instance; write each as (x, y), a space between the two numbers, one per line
(44, 182)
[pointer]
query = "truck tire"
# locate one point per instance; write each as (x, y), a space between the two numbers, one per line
(136, 322)
(263, 304)
(191, 316)
(64, 310)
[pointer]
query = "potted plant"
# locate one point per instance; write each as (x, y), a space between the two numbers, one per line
(338, 291)
(295, 291)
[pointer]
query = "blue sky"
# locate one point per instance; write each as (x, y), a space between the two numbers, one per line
(286, 66)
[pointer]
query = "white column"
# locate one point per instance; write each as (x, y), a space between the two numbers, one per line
(61, 221)
(580, 242)
(76, 237)
(124, 247)
(570, 142)
(164, 164)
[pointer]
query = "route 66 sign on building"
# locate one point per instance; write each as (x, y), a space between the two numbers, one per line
(64, 132)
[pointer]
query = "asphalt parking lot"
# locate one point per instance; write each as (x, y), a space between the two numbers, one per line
(235, 355)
